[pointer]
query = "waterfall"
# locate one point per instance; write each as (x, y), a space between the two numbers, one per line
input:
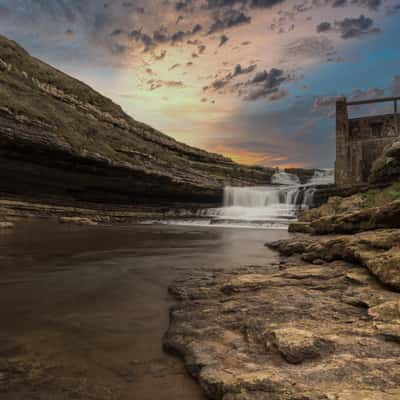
(275, 203)
(268, 207)
(284, 178)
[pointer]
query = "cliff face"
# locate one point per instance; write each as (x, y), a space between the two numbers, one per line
(61, 139)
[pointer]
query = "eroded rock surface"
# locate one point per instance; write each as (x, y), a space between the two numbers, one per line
(289, 332)
(378, 251)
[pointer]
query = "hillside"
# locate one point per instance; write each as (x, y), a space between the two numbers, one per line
(61, 139)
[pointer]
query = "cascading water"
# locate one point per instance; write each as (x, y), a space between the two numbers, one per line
(272, 205)
(269, 206)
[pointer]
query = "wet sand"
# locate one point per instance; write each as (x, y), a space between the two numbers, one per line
(83, 309)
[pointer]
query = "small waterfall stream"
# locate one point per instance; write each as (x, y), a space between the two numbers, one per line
(273, 205)
(270, 206)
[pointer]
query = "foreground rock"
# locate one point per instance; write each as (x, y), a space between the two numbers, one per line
(300, 331)
(373, 209)
(378, 251)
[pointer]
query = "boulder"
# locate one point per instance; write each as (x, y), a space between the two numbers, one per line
(298, 345)
(359, 220)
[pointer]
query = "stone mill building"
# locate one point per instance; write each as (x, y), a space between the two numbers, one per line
(360, 141)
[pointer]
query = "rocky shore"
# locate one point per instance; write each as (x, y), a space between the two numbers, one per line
(13, 210)
(322, 324)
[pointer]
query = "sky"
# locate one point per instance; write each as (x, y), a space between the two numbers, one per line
(255, 80)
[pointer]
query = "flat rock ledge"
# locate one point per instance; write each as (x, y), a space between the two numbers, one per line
(299, 330)
(6, 225)
(378, 251)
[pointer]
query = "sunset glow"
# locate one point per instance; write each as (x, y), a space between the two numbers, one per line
(254, 80)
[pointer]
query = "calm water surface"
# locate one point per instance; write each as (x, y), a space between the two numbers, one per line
(95, 298)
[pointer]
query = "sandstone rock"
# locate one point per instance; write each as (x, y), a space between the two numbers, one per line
(297, 345)
(301, 333)
(387, 216)
(335, 205)
(6, 225)
(378, 251)
(387, 319)
(300, 227)
(77, 221)
(290, 247)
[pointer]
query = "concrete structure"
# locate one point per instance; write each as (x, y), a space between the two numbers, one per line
(360, 141)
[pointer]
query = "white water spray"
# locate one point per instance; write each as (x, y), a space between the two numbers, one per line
(268, 207)
(273, 204)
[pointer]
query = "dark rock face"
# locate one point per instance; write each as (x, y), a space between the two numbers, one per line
(59, 138)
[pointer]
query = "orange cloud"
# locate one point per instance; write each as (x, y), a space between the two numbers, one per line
(254, 158)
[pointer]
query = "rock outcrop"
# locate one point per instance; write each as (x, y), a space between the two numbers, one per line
(61, 139)
(288, 332)
(368, 210)
(378, 251)
(386, 168)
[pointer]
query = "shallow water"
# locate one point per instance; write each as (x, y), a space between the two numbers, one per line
(93, 301)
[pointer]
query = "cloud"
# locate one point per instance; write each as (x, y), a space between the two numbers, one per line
(155, 84)
(310, 47)
(326, 105)
(237, 71)
(182, 5)
(350, 28)
(116, 32)
(265, 3)
(372, 93)
(393, 9)
(222, 40)
(356, 27)
(278, 95)
(264, 84)
(161, 36)
(228, 19)
(372, 5)
(212, 4)
(324, 27)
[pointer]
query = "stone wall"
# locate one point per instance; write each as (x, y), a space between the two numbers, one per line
(359, 142)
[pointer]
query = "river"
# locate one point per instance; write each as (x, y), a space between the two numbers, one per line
(84, 309)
